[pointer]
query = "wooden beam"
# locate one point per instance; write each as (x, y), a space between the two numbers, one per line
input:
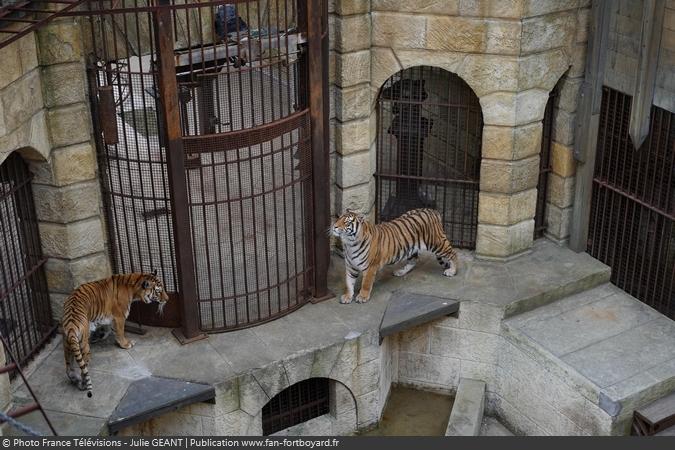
(587, 122)
(643, 95)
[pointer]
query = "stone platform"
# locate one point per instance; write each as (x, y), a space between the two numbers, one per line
(341, 342)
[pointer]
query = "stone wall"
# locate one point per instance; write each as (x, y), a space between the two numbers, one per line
(511, 54)
(44, 114)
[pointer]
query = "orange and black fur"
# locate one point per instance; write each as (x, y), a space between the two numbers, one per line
(98, 303)
(369, 247)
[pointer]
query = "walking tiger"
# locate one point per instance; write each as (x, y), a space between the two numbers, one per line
(103, 302)
(369, 247)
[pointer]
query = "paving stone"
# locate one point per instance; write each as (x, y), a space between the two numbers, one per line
(407, 310)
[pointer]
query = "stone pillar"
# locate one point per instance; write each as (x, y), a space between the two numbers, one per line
(67, 195)
(353, 162)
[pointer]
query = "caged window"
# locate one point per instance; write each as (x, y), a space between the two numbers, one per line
(297, 404)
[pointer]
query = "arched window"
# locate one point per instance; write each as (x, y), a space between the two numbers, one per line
(430, 126)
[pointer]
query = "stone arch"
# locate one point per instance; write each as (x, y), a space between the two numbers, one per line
(429, 126)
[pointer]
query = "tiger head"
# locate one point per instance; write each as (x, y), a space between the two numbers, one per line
(347, 226)
(152, 290)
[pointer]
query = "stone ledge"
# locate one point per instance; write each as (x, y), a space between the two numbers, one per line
(467, 411)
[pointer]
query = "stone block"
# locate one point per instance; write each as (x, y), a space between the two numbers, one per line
(28, 52)
(497, 241)
(563, 127)
(227, 397)
(368, 346)
(60, 42)
(67, 204)
(384, 64)
(10, 72)
(368, 409)
(69, 125)
(562, 160)
(542, 70)
(299, 367)
(478, 371)
(467, 410)
(428, 369)
(583, 25)
(490, 73)
(359, 198)
(59, 276)
(549, 31)
(64, 84)
(354, 169)
(366, 377)
(352, 33)
(560, 191)
(541, 7)
(507, 177)
(352, 68)
(415, 340)
(349, 7)
(445, 7)
(512, 9)
(342, 399)
(345, 363)
(272, 378)
(508, 109)
(398, 30)
(568, 94)
(352, 103)
(558, 221)
(479, 316)
(56, 303)
(503, 37)
(509, 143)
(252, 396)
(73, 164)
(450, 61)
(90, 268)
(234, 423)
(506, 209)
(345, 424)
(459, 34)
(30, 136)
(72, 240)
(578, 61)
(353, 136)
(21, 100)
(464, 344)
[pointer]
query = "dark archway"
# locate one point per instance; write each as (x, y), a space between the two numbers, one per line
(429, 134)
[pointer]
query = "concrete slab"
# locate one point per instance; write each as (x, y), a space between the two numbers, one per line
(493, 427)
(467, 411)
(407, 310)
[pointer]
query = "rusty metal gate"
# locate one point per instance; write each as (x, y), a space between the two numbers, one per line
(632, 225)
(430, 126)
(540, 223)
(210, 123)
(25, 312)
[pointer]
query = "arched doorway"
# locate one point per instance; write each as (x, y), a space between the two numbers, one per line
(25, 312)
(429, 133)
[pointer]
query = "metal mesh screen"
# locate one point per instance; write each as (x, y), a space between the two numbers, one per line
(632, 226)
(25, 312)
(297, 404)
(429, 149)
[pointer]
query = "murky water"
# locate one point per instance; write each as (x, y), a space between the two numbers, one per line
(410, 412)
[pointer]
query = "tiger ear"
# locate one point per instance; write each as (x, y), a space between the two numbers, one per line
(360, 217)
(154, 272)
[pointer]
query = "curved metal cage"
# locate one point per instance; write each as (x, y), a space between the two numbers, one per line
(429, 149)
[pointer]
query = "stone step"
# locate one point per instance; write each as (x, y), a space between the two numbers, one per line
(493, 427)
(611, 348)
(466, 417)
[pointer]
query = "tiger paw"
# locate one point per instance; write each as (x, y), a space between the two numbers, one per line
(451, 272)
(345, 299)
(127, 345)
(400, 272)
(361, 299)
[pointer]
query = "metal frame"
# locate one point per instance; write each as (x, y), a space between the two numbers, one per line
(296, 404)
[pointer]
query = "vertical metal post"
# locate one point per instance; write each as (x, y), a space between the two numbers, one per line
(180, 215)
(320, 159)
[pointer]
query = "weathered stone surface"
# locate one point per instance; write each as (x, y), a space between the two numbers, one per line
(59, 42)
(368, 408)
(415, 340)
(69, 125)
(345, 364)
(489, 8)
(56, 303)
(509, 176)
(9, 72)
(562, 160)
(506, 209)
(72, 240)
(568, 94)
(349, 7)
(30, 137)
(272, 378)
(503, 37)
(352, 68)
(352, 103)
(359, 198)
(74, 163)
(464, 344)
(508, 143)
(21, 100)
(505, 108)
(352, 136)
(299, 367)
(542, 70)
(354, 169)
(366, 377)
(59, 276)
(398, 30)
(63, 84)
(541, 7)
(560, 191)
(432, 369)
(234, 423)
(578, 59)
(499, 241)
(583, 25)
(467, 410)
(352, 33)
(68, 204)
(490, 73)
(227, 397)
(447, 7)
(450, 61)
(384, 64)
(28, 53)
(252, 396)
(368, 346)
(547, 32)
(563, 127)
(90, 268)
(456, 34)
(558, 221)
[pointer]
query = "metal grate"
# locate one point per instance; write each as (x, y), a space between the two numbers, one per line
(632, 226)
(430, 126)
(297, 404)
(25, 311)
(540, 224)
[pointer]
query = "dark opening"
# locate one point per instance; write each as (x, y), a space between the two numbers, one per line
(632, 223)
(540, 223)
(430, 127)
(299, 403)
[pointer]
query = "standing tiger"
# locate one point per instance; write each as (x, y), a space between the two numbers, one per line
(103, 302)
(369, 247)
